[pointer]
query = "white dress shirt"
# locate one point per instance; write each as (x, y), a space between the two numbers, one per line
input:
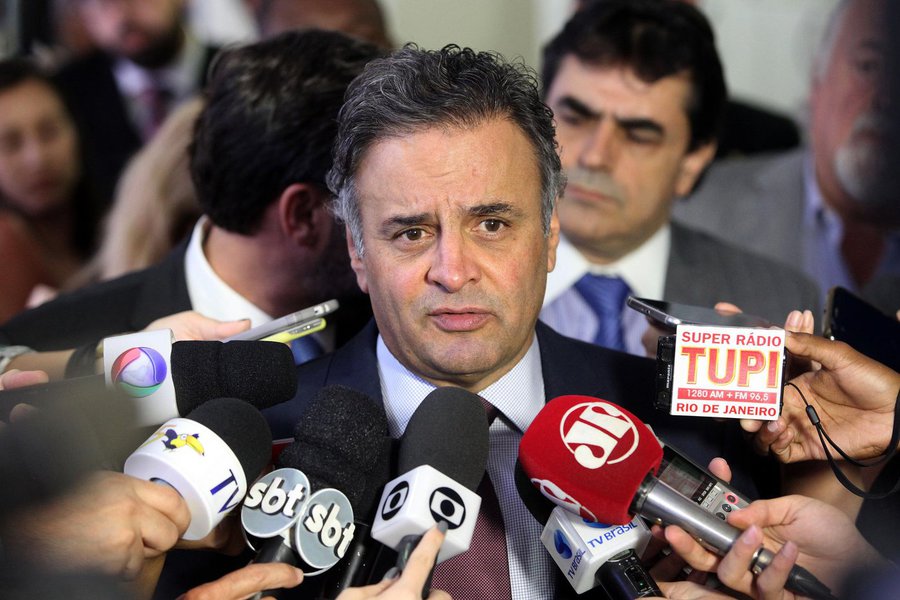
(519, 396)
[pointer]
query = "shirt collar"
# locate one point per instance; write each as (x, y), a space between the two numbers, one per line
(209, 294)
(643, 269)
(816, 213)
(518, 395)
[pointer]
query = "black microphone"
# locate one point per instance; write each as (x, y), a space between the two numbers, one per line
(261, 373)
(591, 556)
(443, 454)
(208, 457)
(340, 456)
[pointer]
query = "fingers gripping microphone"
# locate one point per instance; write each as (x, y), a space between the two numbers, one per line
(598, 460)
(443, 453)
(590, 554)
(207, 457)
(261, 373)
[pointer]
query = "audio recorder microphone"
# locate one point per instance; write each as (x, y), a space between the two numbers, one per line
(598, 460)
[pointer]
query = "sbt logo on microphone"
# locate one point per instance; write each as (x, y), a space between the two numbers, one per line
(324, 532)
(274, 502)
(598, 433)
(412, 503)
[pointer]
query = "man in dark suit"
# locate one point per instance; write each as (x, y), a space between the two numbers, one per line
(637, 90)
(267, 245)
(147, 61)
(446, 175)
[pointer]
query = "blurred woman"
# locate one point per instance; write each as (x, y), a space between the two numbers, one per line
(47, 219)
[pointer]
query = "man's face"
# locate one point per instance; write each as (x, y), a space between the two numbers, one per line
(455, 259)
(147, 32)
(850, 114)
(39, 164)
(624, 146)
(357, 18)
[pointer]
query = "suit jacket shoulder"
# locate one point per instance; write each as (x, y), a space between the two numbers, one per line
(127, 303)
(755, 203)
(704, 270)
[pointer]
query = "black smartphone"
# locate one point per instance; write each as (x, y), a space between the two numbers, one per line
(850, 319)
(671, 314)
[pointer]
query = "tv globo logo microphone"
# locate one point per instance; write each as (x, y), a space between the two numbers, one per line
(417, 500)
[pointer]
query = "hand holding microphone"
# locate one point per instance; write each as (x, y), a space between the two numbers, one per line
(596, 459)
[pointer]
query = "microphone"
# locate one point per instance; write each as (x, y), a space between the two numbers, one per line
(261, 373)
(341, 450)
(208, 457)
(590, 554)
(443, 454)
(598, 460)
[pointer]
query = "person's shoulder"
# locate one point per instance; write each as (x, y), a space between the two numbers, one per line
(75, 71)
(746, 263)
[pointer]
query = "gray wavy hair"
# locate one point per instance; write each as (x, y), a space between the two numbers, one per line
(416, 89)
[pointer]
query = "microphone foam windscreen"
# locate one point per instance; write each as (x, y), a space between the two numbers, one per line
(342, 442)
(261, 373)
(243, 429)
(589, 456)
(448, 431)
(195, 367)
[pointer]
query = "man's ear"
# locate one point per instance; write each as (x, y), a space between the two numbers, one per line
(300, 208)
(692, 165)
(356, 263)
(553, 239)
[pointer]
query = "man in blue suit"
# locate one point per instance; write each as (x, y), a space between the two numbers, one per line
(446, 175)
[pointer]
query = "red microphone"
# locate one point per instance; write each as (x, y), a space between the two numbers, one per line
(578, 446)
(598, 460)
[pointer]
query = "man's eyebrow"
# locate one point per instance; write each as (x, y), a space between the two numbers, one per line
(578, 107)
(493, 209)
(400, 221)
(633, 123)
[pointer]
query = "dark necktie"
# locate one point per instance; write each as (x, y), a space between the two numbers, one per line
(483, 570)
(606, 297)
(155, 98)
(305, 349)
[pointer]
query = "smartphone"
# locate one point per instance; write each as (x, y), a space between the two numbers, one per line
(699, 485)
(850, 319)
(670, 314)
(286, 322)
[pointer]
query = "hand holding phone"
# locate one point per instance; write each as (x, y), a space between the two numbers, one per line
(287, 322)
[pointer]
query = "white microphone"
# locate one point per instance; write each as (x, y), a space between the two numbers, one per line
(580, 548)
(208, 457)
(442, 457)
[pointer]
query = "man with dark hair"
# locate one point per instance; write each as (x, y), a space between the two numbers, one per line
(268, 245)
(637, 92)
(147, 61)
(446, 174)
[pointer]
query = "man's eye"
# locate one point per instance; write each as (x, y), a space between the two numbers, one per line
(412, 235)
(492, 225)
